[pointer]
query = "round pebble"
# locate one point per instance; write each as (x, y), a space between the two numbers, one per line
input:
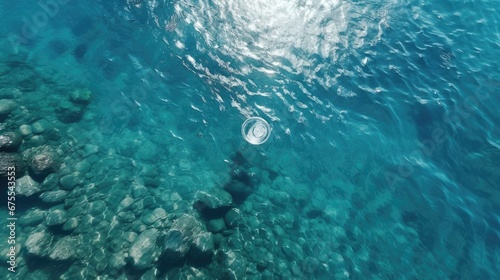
(25, 129)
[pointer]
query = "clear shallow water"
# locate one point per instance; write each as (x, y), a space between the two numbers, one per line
(384, 118)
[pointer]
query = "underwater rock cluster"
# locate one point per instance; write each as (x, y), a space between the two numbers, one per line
(93, 205)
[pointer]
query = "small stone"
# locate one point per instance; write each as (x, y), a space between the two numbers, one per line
(10, 141)
(6, 107)
(139, 191)
(69, 182)
(54, 196)
(64, 249)
(149, 219)
(50, 182)
(25, 129)
(216, 225)
(160, 213)
(68, 112)
(130, 236)
(40, 126)
(26, 186)
(233, 218)
(126, 203)
(83, 167)
(97, 207)
(261, 265)
(90, 150)
(33, 217)
(149, 201)
(56, 217)
(70, 224)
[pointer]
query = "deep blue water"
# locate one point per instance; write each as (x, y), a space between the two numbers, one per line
(384, 119)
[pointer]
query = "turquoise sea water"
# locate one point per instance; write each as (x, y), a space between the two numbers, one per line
(383, 160)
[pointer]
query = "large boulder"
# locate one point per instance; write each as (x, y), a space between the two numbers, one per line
(10, 141)
(177, 241)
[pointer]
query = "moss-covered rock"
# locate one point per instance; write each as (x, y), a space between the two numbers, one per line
(81, 96)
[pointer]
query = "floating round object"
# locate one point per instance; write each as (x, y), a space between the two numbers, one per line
(256, 130)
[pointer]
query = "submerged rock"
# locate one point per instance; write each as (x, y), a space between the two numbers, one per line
(241, 185)
(33, 217)
(50, 182)
(68, 112)
(71, 224)
(56, 217)
(10, 141)
(177, 241)
(233, 218)
(40, 126)
(216, 225)
(64, 249)
(213, 204)
(232, 265)
(69, 182)
(25, 129)
(116, 261)
(81, 96)
(54, 196)
(26, 186)
(44, 162)
(215, 199)
(202, 248)
(6, 107)
(38, 243)
(142, 253)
